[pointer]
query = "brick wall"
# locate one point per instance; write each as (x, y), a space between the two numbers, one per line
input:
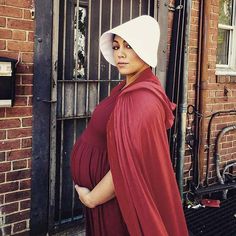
(221, 95)
(16, 41)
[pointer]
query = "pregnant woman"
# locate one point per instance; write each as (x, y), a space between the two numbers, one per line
(121, 164)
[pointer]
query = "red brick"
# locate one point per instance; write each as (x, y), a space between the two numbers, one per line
(31, 36)
(2, 134)
(7, 230)
(2, 22)
(9, 123)
(9, 144)
(229, 106)
(20, 216)
(19, 3)
(27, 79)
(19, 35)
(25, 184)
(19, 226)
(27, 14)
(2, 156)
(24, 90)
(8, 187)
(26, 142)
(25, 233)
(19, 133)
(21, 164)
(11, 12)
(19, 154)
(20, 101)
(30, 101)
(30, 163)
(5, 34)
(27, 122)
(17, 196)
(2, 44)
(18, 111)
(2, 112)
(2, 180)
(231, 150)
(5, 166)
(13, 55)
(10, 208)
(18, 79)
(27, 57)
(24, 68)
(1, 199)
(20, 46)
(25, 204)
(230, 138)
(17, 175)
(20, 24)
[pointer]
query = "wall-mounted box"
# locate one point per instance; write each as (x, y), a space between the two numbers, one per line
(7, 81)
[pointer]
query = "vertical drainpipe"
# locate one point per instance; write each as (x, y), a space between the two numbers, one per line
(204, 64)
(183, 103)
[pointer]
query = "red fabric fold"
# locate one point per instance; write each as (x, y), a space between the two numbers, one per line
(139, 159)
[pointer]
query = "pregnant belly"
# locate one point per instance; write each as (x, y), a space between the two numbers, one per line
(88, 164)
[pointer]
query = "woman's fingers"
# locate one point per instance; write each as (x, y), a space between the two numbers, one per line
(81, 190)
(84, 196)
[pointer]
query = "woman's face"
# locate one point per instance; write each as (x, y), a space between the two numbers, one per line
(127, 61)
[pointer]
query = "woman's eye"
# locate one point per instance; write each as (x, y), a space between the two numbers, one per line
(114, 47)
(128, 46)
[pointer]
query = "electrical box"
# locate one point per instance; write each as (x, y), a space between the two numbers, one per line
(7, 81)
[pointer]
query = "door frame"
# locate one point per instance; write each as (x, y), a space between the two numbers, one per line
(41, 117)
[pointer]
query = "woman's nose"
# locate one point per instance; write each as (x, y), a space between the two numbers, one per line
(121, 52)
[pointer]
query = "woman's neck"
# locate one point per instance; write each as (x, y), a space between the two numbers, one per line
(131, 79)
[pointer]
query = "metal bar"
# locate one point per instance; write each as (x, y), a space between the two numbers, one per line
(121, 21)
(121, 11)
(155, 15)
(140, 7)
(76, 38)
(99, 53)
(62, 109)
(75, 99)
(156, 9)
(88, 56)
(74, 117)
(149, 6)
(131, 9)
(109, 65)
(53, 121)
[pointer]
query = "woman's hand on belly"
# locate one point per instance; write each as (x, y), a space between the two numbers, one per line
(85, 197)
(102, 192)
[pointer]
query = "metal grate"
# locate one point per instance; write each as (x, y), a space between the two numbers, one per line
(213, 221)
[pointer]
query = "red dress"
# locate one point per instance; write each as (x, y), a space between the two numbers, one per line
(89, 164)
(129, 129)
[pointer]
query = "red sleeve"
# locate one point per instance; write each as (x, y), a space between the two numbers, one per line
(143, 177)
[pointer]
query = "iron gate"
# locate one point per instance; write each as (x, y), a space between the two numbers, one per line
(81, 78)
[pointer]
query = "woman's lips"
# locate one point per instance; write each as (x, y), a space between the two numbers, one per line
(121, 64)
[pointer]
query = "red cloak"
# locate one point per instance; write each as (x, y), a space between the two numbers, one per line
(138, 153)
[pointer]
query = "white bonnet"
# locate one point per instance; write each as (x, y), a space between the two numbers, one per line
(141, 33)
